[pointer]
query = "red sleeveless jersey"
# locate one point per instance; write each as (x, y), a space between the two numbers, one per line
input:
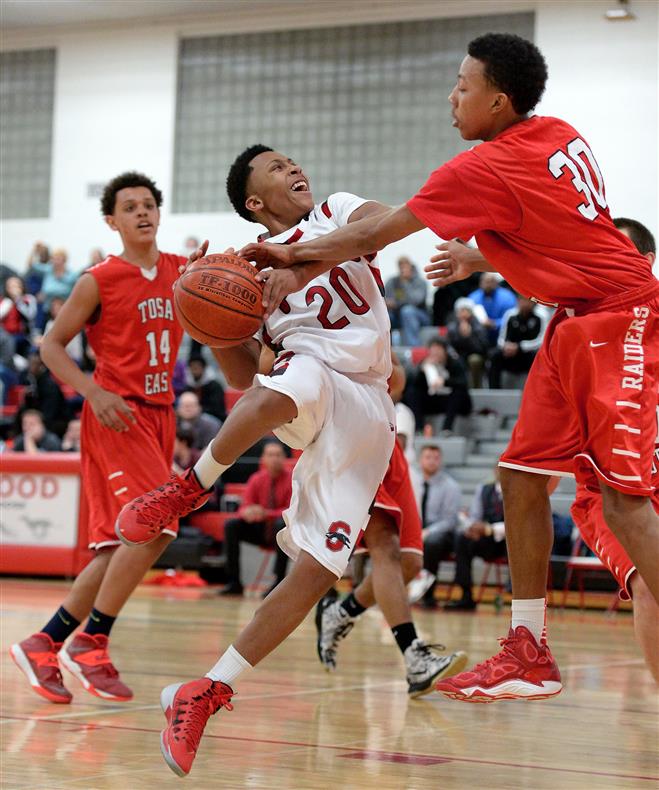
(137, 336)
(534, 198)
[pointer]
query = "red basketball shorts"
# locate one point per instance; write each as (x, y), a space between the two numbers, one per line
(590, 402)
(117, 467)
(395, 497)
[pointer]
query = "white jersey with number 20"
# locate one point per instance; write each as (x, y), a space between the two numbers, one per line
(340, 317)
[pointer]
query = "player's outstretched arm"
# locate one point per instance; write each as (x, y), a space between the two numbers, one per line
(455, 261)
(110, 409)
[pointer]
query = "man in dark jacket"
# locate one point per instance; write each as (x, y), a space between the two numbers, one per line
(440, 386)
(468, 337)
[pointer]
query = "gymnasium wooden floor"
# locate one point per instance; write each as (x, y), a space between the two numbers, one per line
(297, 728)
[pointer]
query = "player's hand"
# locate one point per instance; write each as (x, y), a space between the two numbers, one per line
(111, 410)
(453, 262)
(268, 256)
(277, 284)
(198, 253)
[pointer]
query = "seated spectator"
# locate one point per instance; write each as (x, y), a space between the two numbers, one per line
(189, 416)
(483, 536)
(34, 438)
(438, 496)
(59, 281)
(185, 455)
(5, 273)
(267, 495)
(38, 265)
(71, 439)
(496, 300)
(44, 394)
(405, 296)
(522, 330)
(468, 337)
(8, 376)
(18, 311)
(96, 255)
(75, 348)
(440, 386)
(202, 380)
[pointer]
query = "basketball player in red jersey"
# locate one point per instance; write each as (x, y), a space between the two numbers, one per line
(533, 196)
(395, 546)
(128, 430)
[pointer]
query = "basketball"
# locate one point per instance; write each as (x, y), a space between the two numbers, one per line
(218, 300)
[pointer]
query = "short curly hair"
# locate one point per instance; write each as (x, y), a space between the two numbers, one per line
(123, 181)
(514, 65)
(237, 179)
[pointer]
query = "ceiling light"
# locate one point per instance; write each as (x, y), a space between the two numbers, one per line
(620, 13)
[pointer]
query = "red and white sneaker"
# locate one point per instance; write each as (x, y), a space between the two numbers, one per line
(187, 707)
(524, 669)
(36, 657)
(144, 518)
(87, 658)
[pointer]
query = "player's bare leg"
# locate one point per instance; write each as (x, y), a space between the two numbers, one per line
(125, 571)
(525, 667)
(83, 592)
(257, 413)
(529, 532)
(646, 622)
(385, 585)
(284, 609)
(635, 524)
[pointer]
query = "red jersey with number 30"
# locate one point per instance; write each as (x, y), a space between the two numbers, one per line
(137, 337)
(534, 198)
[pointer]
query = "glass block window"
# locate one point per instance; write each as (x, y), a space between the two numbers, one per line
(363, 108)
(27, 97)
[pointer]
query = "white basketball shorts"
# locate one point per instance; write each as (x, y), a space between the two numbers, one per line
(346, 432)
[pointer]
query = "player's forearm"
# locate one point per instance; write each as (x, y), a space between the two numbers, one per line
(365, 236)
(60, 364)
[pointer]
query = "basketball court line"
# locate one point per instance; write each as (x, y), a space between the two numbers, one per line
(380, 752)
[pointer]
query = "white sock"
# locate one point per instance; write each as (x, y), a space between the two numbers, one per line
(530, 612)
(208, 469)
(230, 665)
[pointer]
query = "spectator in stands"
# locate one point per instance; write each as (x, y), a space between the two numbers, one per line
(405, 295)
(202, 380)
(18, 311)
(468, 337)
(438, 496)
(34, 438)
(96, 255)
(445, 298)
(185, 455)
(75, 349)
(8, 376)
(440, 386)
(483, 536)
(43, 393)
(38, 265)
(495, 299)
(59, 281)
(641, 238)
(522, 331)
(190, 416)
(5, 273)
(190, 245)
(267, 495)
(71, 439)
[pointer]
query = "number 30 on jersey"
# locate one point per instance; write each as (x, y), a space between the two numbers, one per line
(579, 162)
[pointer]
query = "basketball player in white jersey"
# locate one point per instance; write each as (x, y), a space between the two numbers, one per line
(326, 394)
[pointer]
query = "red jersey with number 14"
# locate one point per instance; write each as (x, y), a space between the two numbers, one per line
(137, 336)
(534, 198)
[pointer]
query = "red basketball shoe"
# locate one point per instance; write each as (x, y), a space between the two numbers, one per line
(187, 707)
(87, 658)
(36, 657)
(524, 669)
(142, 520)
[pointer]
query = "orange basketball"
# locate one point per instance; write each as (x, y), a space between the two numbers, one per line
(218, 300)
